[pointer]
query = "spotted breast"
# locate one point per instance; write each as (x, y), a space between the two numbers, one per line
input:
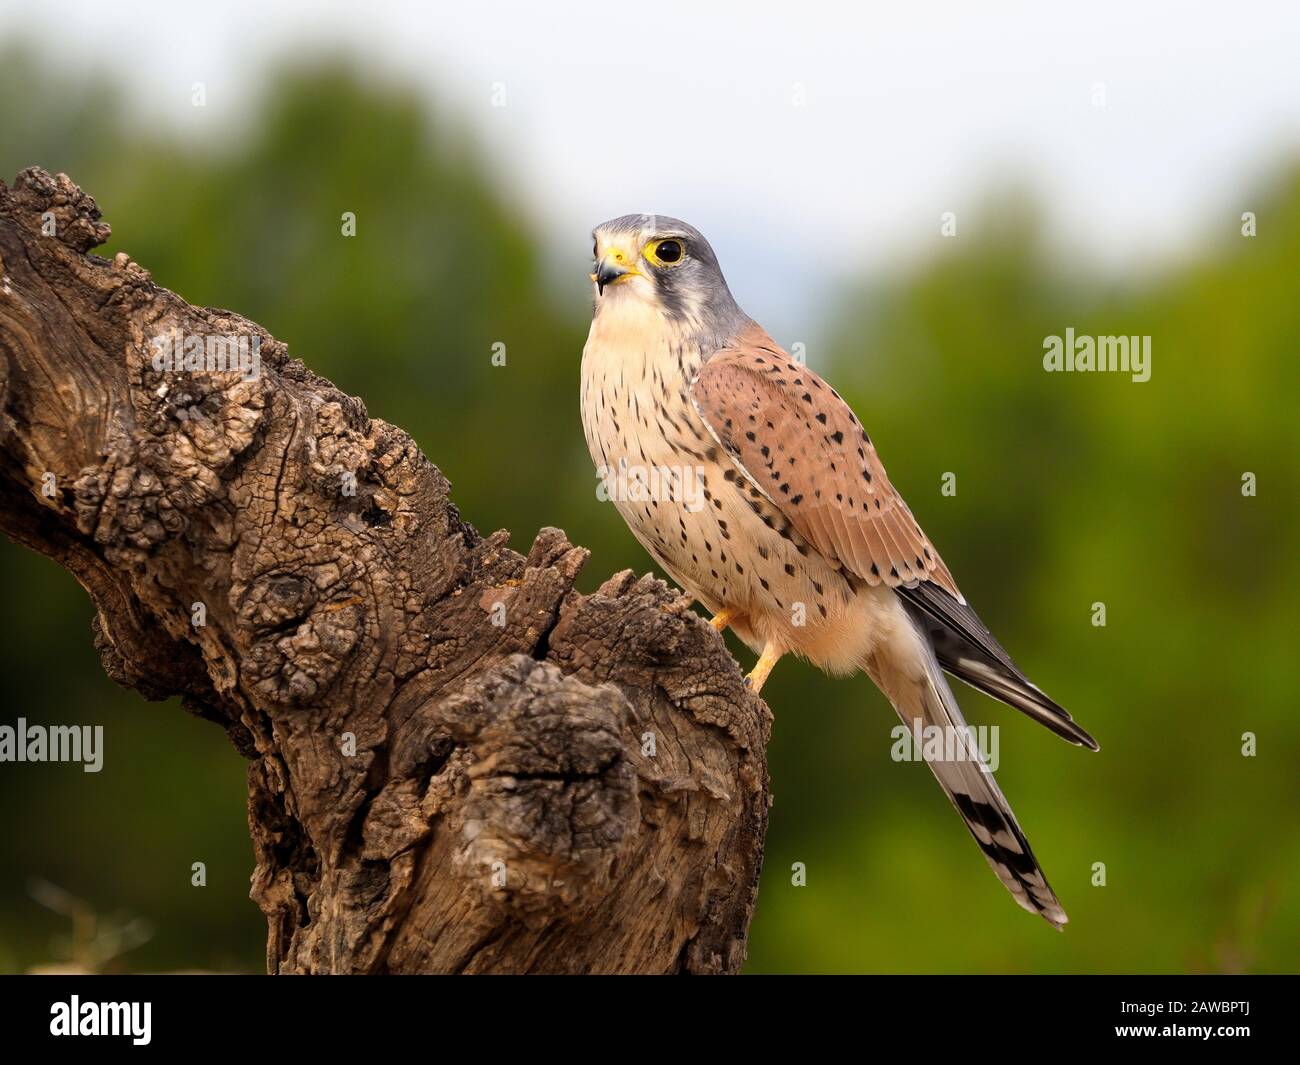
(713, 531)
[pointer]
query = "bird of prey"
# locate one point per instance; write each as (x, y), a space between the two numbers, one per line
(756, 488)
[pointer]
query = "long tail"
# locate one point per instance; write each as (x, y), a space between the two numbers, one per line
(970, 785)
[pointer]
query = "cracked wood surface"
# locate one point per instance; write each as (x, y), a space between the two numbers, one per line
(457, 762)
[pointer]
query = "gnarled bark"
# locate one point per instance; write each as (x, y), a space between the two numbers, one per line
(458, 763)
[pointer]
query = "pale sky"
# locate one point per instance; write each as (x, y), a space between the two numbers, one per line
(806, 139)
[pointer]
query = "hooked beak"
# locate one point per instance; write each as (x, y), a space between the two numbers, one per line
(614, 266)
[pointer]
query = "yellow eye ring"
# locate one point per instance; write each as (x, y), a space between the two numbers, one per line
(665, 252)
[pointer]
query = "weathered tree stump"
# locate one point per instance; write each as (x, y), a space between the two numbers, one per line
(458, 763)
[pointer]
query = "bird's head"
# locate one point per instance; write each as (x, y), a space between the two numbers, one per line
(661, 264)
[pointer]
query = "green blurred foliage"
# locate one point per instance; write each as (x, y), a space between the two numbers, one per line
(1071, 489)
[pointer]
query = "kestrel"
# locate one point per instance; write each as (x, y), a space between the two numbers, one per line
(756, 488)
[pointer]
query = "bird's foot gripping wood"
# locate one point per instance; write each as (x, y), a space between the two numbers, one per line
(766, 661)
(723, 618)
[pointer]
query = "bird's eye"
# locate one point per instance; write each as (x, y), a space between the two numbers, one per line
(595, 249)
(665, 252)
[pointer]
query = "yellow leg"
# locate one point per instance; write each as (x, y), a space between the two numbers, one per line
(769, 658)
(723, 618)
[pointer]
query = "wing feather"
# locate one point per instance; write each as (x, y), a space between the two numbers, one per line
(766, 410)
(967, 650)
